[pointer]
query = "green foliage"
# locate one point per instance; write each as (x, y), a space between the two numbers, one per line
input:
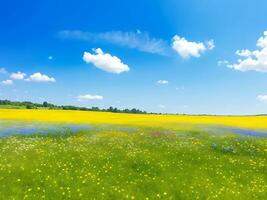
(29, 106)
(46, 105)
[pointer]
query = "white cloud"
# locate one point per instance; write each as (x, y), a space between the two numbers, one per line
(210, 44)
(243, 53)
(105, 61)
(134, 40)
(7, 82)
(3, 71)
(50, 57)
(180, 88)
(89, 97)
(253, 60)
(38, 77)
(187, 49)
(222, 62)
(17, 76)
(162, 82)
(262, 98)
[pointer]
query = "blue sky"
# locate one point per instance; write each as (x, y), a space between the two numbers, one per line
(195, 56)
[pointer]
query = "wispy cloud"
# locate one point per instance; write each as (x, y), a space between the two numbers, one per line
(2, 70)
(222, 62)
(262, 98)
(89, 97)
(7, 82)
(162, 82)
(180, 88)
(134, 40)
(161, 106)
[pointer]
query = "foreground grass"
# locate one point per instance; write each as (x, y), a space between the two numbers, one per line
(146, 164)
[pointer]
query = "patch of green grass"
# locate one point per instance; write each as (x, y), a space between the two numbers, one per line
(12, 107)
(146, 164)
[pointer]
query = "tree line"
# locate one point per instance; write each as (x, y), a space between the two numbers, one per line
(46, 105)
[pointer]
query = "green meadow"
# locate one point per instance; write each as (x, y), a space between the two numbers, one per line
(140, 163)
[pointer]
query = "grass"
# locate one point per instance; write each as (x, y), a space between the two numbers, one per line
(12, 107)
(162, 161)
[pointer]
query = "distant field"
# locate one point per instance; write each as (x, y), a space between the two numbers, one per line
(129, 156)
(145, 120)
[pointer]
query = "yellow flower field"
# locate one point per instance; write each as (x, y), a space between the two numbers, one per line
(147, 120)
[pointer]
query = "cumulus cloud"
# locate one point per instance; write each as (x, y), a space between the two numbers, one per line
(105, 61)
(17, 76)
(2, 70)
(38, 77)
(253, 60)
(135, 40)
(7, 82)
(187, 49)
(262, 98)
(162, 82)
(89, 97)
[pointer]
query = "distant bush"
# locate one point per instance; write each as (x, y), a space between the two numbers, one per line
(29, 106)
